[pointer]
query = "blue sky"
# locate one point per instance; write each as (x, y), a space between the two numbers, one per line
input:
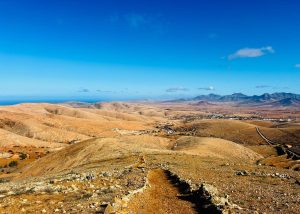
(148, 49)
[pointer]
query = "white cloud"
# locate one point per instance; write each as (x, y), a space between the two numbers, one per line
(251, 52)
(297, 65)
(176, 89)
(210, 88)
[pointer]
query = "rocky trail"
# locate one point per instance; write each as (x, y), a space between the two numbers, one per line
(162, 196)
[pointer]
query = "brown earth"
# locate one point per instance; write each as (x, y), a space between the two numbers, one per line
(161, 197)
(87, 160)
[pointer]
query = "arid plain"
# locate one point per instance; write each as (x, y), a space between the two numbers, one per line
(149, 157)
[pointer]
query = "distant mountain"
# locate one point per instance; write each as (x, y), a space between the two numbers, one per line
(234, 97)
(262, 98)
(259, 99)
(280, 99)
(209, 97)
(241, 97)
(285, 95)
(175, 101)
(274, 100)
(287, 102)
(203, 103)
(274, 97)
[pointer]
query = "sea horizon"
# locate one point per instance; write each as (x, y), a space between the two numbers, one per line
(9, 102)
(21, 101)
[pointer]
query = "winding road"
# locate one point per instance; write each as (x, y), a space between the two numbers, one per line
(286, 150)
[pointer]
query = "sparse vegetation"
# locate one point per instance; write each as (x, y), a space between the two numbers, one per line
(13, 164)
(143, 139)
(2, 180)
(22, 156)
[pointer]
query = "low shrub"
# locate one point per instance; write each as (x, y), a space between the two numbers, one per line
(22, 156)
(13, 164)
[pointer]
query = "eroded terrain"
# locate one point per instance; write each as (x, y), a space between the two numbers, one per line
(146, 158)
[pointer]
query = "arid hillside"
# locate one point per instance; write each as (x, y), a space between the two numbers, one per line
(61, 124)
(141, 158)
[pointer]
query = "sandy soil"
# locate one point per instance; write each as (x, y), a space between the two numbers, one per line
(161, 197)
(83, 160)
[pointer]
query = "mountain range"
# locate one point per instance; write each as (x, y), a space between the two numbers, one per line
(280, 99)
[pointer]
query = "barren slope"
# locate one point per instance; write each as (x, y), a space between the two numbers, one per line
(215, 148)
(119, 157)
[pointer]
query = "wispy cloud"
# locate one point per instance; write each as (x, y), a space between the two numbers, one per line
(136, 20)
(114, 18)
(263, 86)
(272, 87)
(251, 52)
(83, 90)
(297, 65)
(210, 88)
(103, 91)
(176, 89)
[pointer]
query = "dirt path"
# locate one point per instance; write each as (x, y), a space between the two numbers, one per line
(264, 137)
(161, 197)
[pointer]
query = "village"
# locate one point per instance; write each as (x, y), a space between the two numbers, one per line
(217, 115)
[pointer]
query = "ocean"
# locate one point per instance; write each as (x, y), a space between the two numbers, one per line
(15, 102)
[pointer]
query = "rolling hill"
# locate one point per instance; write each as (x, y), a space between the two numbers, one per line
(128, 157)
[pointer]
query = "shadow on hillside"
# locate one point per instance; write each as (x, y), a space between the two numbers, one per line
(201, 202)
